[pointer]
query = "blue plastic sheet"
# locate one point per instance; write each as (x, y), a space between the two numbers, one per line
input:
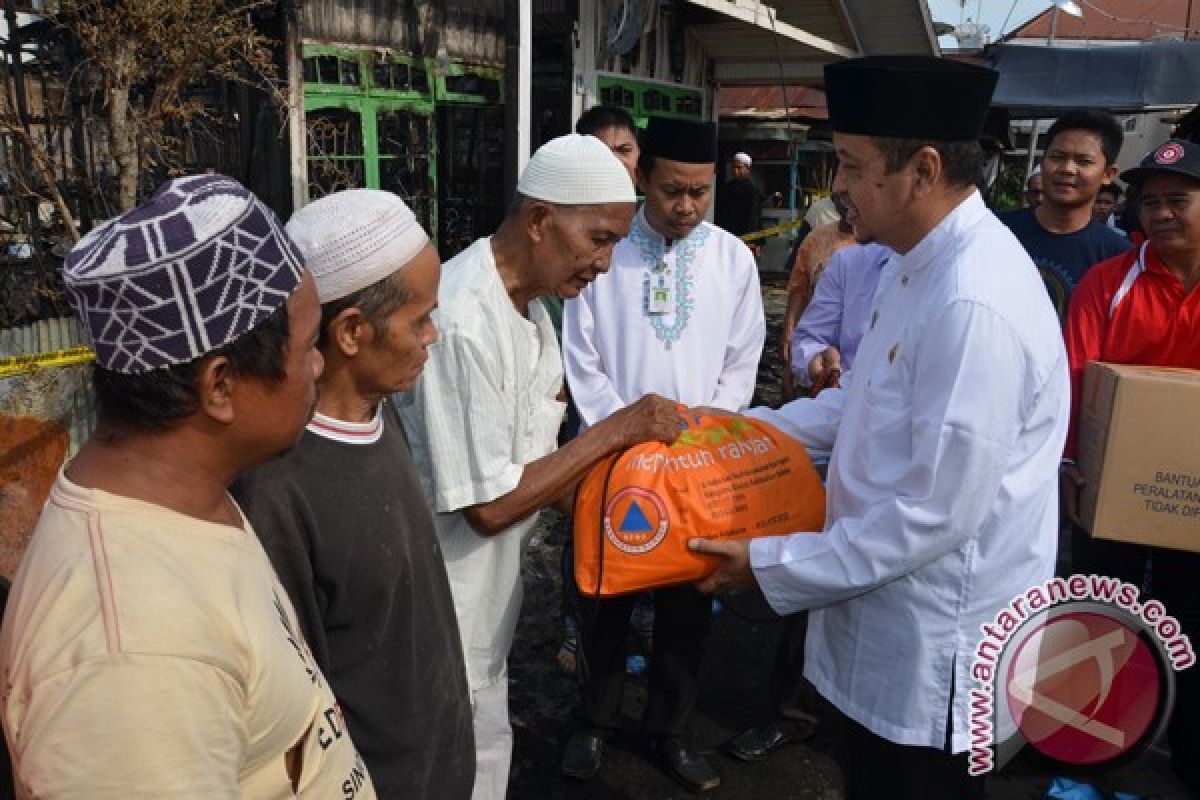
(1045, 81)
(1067, 789)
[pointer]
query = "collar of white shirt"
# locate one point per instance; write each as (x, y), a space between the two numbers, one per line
(641, 229)
(929, 249)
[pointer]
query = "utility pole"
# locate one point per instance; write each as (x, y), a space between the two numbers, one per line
(518, 86)
(293, 59)
(1033, 130)
(17, 63)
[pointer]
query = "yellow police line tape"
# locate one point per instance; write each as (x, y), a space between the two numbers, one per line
(73, 356)
(70, 357)
(774, 229)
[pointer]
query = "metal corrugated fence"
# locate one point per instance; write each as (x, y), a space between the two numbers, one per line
(62, 393)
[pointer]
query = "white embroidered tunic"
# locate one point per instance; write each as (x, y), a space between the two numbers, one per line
(684, 321)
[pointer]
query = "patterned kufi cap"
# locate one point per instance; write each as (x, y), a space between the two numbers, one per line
(199, 264)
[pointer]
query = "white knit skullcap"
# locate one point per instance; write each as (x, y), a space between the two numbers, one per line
(576, 170)
(743, 158)
(354, 238)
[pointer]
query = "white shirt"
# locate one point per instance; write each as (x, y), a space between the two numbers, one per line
(942, 487)
(485, 406)
(703, 351)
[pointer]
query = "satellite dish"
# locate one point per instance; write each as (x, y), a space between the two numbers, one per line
(624, 27)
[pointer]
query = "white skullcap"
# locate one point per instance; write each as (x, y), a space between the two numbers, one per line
(576, 170)
(743, 158)
(354, 238)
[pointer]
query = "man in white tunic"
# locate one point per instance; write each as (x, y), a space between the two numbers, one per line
(483, 418)
(941, 488)
(679, 314)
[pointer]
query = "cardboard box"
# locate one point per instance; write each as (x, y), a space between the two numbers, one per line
(1139, 452)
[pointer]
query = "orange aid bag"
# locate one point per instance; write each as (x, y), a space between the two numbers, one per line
(725, 477)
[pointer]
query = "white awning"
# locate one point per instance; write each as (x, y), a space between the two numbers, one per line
(753, 26)
(792, 40)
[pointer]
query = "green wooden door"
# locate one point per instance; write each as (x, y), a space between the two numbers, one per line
(370, 120)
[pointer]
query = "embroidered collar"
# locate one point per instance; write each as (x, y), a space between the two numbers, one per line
(652, 247)
(641, 230)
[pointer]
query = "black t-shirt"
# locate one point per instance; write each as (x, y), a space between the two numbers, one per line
(739, 207)
(1062, 258)
(351, 538)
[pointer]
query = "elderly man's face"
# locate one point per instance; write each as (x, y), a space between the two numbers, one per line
(677, 196)
(581, 240)
(741, 169)
(394, 353)
(1170, 213)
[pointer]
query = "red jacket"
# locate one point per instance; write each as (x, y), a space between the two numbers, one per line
(1130, 310)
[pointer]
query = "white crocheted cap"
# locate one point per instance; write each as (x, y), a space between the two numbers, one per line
(743, 158)
(576, 170)
(354, 238)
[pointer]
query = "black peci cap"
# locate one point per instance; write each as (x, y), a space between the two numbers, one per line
(909, 97)
(680, 140)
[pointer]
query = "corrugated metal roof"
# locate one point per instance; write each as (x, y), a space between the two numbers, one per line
(892, 27)
(751, 54)
(748, 30)
(768, 101)
(821, 17)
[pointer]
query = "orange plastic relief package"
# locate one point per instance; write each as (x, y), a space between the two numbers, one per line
(725, 477)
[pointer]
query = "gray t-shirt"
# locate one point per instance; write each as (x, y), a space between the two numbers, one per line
(346, 526)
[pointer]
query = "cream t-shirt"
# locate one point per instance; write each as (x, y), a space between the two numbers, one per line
(146, 653)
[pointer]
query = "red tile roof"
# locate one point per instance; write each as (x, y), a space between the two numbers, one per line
(1115, 20)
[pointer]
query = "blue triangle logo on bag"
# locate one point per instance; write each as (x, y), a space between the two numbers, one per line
(643, 520)
(635, 520)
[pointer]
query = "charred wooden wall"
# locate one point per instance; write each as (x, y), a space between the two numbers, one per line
(467, 30)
